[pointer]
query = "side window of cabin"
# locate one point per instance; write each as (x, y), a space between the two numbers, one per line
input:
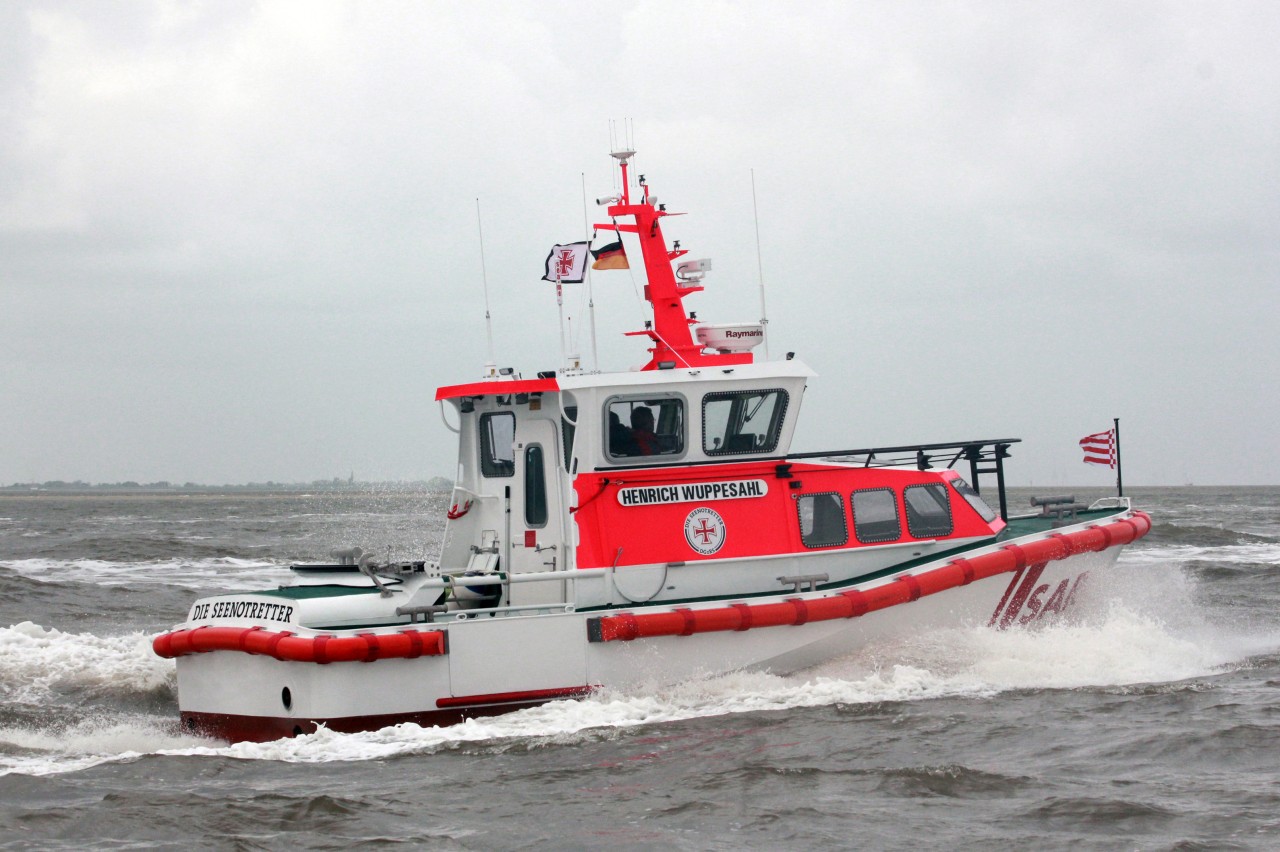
(535, 487)
(974, 499)
(822, 520)
(875, 515)
(645, 426)
(928, 510)
(498, 444)
(569, 428)
(742, 421)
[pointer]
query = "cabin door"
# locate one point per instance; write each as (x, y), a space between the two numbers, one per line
(536, 523)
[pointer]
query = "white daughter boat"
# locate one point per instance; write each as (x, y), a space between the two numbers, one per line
(631, 528)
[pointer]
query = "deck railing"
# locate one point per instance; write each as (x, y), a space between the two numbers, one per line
(984, 457)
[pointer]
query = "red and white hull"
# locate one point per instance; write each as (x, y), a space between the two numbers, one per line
(482, 666)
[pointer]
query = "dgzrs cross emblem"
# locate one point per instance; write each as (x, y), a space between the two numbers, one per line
(704, 530)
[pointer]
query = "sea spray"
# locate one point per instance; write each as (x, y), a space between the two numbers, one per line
(37, 662)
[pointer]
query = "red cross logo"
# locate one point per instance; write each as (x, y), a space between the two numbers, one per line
(564, 263)
(704, 530)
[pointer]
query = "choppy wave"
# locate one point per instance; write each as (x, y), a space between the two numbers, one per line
(1122, 648)
(29, 750)
(1261, 552)
(39, 664)
(1206, 536)
(228, 573)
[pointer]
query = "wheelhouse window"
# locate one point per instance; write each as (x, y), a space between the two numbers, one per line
(928, 510)
(535, 487)
(875, 515)
(644, 426)
(742, 421)
(822, 520)
(498, 444)
(974, 499)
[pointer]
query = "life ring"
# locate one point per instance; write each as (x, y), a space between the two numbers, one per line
(454, 513)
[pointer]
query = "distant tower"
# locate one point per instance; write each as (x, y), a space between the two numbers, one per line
(351, 480)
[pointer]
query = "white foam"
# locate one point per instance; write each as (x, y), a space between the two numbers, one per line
(223, 573)
(36, 662)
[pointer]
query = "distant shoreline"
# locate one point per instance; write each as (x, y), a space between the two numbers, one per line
(435, 486)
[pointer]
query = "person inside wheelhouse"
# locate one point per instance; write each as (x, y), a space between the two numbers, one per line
(642, 434)
(656, 427)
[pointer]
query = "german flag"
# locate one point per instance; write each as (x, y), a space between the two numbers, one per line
(612, 256)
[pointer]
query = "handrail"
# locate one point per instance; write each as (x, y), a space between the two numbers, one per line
(917, 455)
(911, 448)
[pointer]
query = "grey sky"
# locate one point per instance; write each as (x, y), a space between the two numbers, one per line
(238, 240)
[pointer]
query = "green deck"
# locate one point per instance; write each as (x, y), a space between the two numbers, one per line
(298, 593)
(1030, 525)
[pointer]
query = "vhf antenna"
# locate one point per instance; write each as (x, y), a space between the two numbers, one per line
(490, 368)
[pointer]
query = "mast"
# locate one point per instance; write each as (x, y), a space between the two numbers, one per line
(674, 343)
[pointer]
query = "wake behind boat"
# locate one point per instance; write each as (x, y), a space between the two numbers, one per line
(639, 527)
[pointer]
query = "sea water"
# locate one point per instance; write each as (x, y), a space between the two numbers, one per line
(1149, 721)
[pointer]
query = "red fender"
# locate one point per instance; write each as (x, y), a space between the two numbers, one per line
(855, 602)
(326, 648)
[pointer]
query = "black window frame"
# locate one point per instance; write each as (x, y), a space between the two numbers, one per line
(535, 488)
(870, 538)
(649, 400)
(844, 520)
(775, 426)
(915, 522)
(492, 467)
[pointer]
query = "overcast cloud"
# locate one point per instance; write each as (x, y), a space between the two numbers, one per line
(238, 241)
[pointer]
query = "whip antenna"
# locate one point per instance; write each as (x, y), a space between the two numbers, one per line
(764, 313)
(591, 302)
(490, 368)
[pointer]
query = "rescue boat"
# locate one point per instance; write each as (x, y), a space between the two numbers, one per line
(624, 529)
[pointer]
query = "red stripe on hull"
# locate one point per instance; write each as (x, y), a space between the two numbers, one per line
(532, 695)
(261, 729)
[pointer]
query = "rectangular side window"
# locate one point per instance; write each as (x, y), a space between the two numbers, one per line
(875, 515)
(822, 520)
(498, 444)
(742, 421)
(928, 510)
(646, 426)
